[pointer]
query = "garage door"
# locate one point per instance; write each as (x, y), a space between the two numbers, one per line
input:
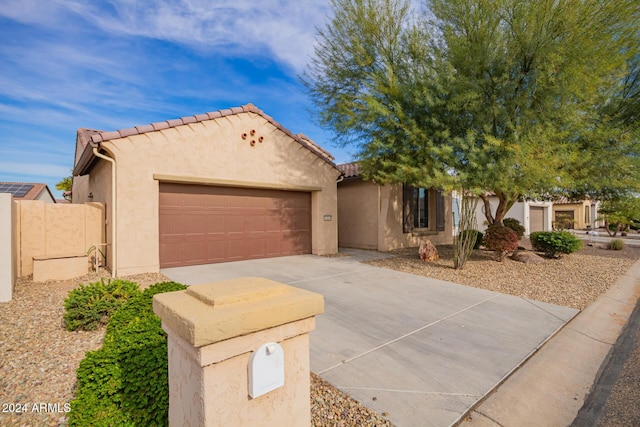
(536, 218)
(202, 224)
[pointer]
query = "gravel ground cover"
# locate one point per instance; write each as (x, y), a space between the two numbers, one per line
(574, 280)
(39, 357)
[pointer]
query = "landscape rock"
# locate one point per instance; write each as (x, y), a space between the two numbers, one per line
(527, 257)
(428, 251)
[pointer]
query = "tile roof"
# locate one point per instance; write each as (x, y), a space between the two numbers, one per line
(25, 190)
(350, 170)
(94, 137)
(567, 201)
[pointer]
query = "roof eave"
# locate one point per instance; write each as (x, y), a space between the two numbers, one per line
(87, 160)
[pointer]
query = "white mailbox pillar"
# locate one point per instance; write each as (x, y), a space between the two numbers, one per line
(239, 353)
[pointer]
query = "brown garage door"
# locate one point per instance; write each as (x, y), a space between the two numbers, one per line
(536, 218)
(202, 224)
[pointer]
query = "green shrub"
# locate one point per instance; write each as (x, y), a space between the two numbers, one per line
(555, 243)
(501, 239)
(89, 306)
(616, 245)
(140, 306)
(126, 381)
(479, 236)
(515, 225)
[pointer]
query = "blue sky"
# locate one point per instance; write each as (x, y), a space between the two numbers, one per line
(114, 64)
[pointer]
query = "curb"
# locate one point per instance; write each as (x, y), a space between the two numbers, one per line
(551, 387)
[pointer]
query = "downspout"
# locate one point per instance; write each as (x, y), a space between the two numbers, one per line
(113, 208)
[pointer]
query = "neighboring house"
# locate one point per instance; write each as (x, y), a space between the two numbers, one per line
(578, 214)
(533, 215)
(28, 191)
(387, 217)
(222, 186)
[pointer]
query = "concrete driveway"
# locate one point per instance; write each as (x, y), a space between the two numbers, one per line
(421, 350)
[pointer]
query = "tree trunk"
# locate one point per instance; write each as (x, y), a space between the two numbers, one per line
(615, 232)
(487, 207)
(505, 202)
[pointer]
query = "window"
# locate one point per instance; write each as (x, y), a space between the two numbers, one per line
(415, 209)
(421, 217)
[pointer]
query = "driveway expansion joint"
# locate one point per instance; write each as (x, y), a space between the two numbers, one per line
(408, 334)
(532, 302)
(392, 390)
(346, 273)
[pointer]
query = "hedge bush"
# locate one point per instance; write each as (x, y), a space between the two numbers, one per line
(126, 381)
(515, 225)
(501, 239)
(616, 245)
(89, 306)
(555, 243)
(479, 237)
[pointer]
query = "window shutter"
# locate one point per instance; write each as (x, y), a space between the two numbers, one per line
(440, 220)
(408, 214)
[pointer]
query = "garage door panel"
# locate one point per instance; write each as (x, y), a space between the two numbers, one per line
(272, 223)
(235, 250)
(234, 223)
(257, 223)
(195, 224)
(257, 247)
(301, 222)
(216, 250)
(205, 224)
(174, 224)
(272, 247)
(215, 223)
(169, 200)
(195, 251)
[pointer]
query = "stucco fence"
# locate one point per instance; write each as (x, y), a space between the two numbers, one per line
(50, 241)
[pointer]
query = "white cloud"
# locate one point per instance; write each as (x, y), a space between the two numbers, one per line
(282, 29)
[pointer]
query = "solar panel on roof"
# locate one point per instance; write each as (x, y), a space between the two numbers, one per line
(18, 190)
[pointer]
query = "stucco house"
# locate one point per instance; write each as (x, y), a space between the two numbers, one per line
(387, 217)
(578, 214)
(533, 215)
(221, 186)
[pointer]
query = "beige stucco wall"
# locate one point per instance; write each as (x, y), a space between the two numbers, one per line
(358, 214)
(56, 230)
(391, 236)
(60, 268)
(578, 210)
(379, 208)
(97, 185)
(208, 152)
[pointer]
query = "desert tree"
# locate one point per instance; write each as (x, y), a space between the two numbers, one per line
(509, 98)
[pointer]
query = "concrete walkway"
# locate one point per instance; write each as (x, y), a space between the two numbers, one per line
(551, 387)
(421, 350)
